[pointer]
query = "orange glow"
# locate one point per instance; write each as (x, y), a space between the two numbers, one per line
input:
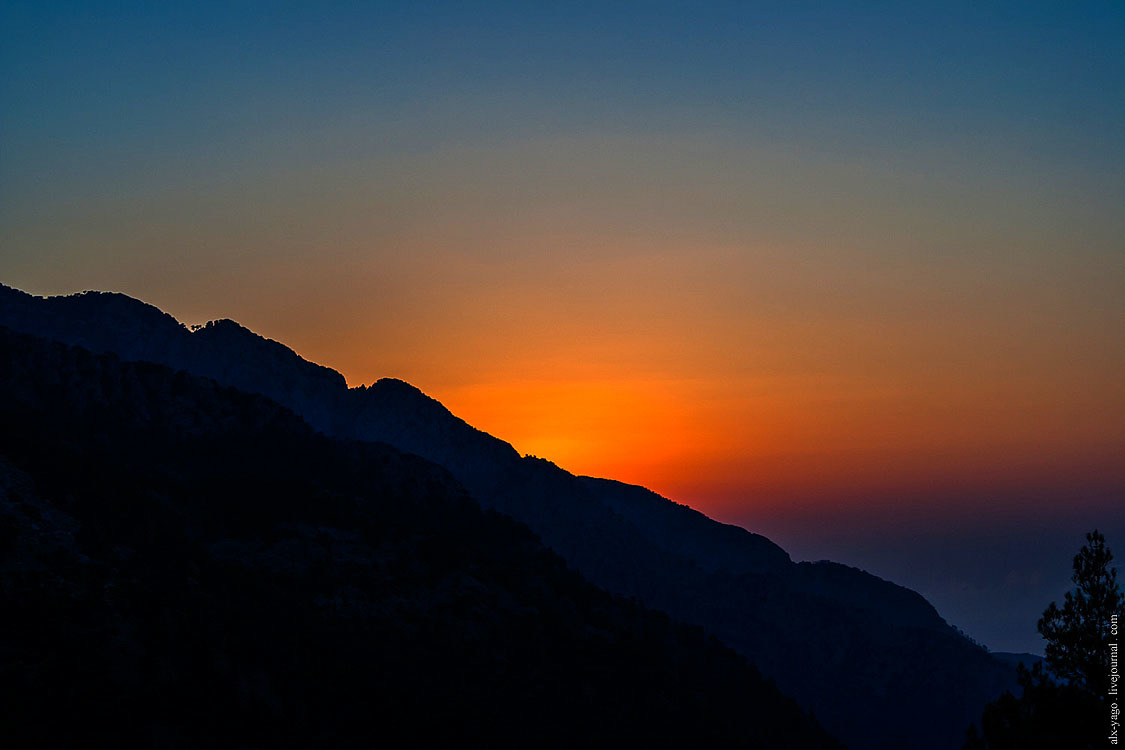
(633, 430)
(713, 333)
(772, 445)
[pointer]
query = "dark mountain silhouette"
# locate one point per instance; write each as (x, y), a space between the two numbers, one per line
(1008, 657)
(874, 660)
(186, 565)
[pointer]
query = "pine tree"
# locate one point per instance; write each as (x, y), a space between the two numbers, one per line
(1077, 634)
(1062, 701)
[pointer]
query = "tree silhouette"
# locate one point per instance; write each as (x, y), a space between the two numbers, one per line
(1077, 634)
(1062, 703)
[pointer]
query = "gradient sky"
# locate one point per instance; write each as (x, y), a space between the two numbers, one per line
(851, 275)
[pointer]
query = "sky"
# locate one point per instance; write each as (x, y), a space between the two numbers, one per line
(851, 275)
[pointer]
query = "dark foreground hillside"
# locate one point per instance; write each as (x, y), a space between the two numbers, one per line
(182, 564)
(886, 653)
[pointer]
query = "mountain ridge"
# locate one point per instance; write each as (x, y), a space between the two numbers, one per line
(183, 564)
(794, 620)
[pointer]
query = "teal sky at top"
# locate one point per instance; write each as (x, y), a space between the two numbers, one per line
(105, 91)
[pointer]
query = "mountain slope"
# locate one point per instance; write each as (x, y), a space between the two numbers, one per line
(186, 565)
(807, 625)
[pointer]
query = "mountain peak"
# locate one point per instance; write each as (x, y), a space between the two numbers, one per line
(89, 307)
(269, 358)
(392, 385)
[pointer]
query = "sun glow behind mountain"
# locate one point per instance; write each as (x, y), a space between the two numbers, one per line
(801, 268)
(754, 381)
(766, 448)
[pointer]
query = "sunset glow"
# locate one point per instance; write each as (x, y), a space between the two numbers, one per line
(780, 264)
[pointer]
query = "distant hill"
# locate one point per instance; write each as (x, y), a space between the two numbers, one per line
(862, 652)
(1028, 660)
(186, 565)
